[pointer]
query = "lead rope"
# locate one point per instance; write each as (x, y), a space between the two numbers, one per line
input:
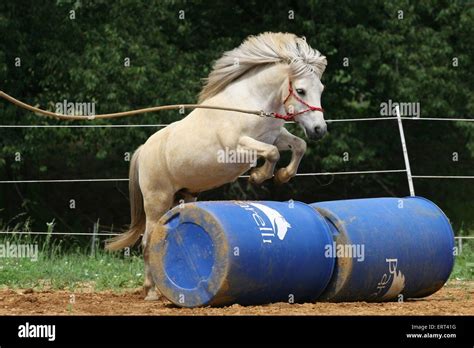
(261, 113)
(25, 106)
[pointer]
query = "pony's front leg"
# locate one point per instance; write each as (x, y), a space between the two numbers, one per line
(288, 141)
(267, 151)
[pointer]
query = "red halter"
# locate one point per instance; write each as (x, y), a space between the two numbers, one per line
(291, 116)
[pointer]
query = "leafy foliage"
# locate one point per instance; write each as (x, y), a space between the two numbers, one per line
(82, 59)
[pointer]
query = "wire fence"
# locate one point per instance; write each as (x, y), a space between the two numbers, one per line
(365, 119)
(398, 118)
(460, 239)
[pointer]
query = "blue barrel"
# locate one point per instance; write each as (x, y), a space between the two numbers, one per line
(220, 253)
(387, 247)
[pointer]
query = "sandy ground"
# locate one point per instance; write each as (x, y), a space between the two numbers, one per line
(456, 298)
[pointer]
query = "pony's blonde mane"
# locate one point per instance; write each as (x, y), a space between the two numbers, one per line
(266, 48)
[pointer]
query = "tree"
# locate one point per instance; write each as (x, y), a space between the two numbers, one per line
(127, 54)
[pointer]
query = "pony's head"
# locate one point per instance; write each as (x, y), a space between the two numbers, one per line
(301, 94)
(301, 87)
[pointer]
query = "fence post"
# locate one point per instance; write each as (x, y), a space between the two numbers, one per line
(95, 230)
(405, 152)
(460, 246)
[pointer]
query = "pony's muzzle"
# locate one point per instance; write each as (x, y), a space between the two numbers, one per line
(318, 132)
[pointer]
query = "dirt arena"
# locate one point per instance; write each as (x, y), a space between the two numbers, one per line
(456, 298)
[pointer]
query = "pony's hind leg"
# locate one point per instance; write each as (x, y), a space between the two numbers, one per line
(157, 210)
(184, 196)
(155, 204)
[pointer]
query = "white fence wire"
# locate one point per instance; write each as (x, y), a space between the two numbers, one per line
(167, 124)
(399, 119)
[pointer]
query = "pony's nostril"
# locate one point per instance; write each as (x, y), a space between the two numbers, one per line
(320, 129)
(319, 132)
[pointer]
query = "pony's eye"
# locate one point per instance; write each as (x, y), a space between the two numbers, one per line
(300, 91)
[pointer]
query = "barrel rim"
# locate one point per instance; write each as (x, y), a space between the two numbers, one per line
(208, 290)
(448, 224)
(332, 288)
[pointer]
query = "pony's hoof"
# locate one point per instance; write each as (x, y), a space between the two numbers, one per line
(152, 296)
(281, 176)
(256, 178)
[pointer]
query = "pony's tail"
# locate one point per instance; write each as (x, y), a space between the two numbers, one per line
(137, 212)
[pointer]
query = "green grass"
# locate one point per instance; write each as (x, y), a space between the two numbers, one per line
(100, 272)
(73, 268)
(59, 267)
(464, 264)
